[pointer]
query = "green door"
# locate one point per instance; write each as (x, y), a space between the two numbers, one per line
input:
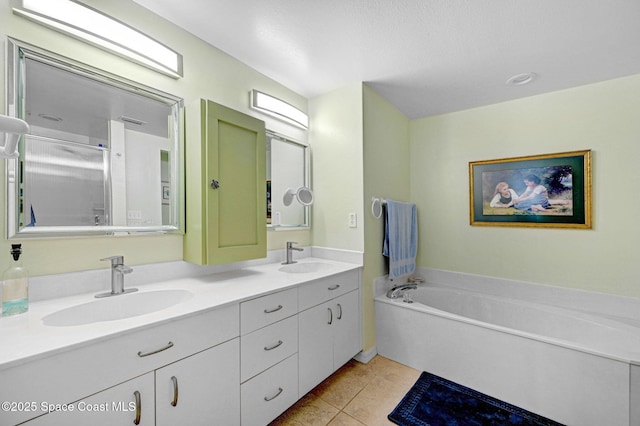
(235, 187)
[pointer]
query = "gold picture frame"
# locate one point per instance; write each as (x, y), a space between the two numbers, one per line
(549, 191)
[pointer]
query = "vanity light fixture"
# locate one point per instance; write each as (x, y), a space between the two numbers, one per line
(11, 129)
(87, 24)
(278, 108)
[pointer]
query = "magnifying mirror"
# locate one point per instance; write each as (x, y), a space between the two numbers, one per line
(303, 195)
(288, 197)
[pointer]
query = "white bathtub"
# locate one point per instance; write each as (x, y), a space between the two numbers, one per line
(569, 365)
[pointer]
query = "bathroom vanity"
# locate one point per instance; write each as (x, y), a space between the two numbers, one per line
(238, 347)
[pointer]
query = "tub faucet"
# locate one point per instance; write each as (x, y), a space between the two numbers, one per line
(290, 248)
(397, 291)
(118, 269)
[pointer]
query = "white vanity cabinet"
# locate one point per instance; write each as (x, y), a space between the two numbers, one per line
(329, 329)
(201, 351)
(128, 403)
(243, 362)
(269, 362)
(202, 389)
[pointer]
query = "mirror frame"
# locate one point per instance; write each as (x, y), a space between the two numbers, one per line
(307, 179)
(17, 52)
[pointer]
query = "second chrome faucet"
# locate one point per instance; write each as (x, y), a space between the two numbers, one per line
(118, 270)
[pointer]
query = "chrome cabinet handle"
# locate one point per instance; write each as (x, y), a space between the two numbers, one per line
(136, 395)
(335, 287)
(266, 398)
(270, 311)
(330, 316)
(270, 348)
(174, 380)
(339, 311)
(167, 346)
(215, 184)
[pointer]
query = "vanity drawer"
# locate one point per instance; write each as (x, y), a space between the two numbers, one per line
(269, 394)
(265, 310)
(68, 376)
(324, 289)
(267, 346)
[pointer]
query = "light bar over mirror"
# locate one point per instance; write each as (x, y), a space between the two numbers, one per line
(279, 109)
(92, 26)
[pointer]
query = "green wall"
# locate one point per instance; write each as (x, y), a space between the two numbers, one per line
(336, 164)
(386, 175)
(208, 73)
(602, 117)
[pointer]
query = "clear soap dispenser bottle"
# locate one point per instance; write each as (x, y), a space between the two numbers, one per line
(15, 285)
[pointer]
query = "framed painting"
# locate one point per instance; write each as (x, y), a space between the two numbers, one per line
(551, 190)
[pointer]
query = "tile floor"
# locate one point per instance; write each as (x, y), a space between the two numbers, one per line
(355, 395)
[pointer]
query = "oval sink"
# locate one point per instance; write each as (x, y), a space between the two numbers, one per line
(305, 267)
(117, 307)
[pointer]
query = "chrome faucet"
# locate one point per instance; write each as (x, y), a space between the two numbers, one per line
(396, 291)
(290, 248)
(118, 269)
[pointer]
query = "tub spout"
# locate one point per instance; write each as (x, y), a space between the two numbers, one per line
(398, 290)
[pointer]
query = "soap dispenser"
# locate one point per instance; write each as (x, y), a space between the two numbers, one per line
(15, 285)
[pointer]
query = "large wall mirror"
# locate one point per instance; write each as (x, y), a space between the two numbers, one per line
(102, 154)
(288, 183)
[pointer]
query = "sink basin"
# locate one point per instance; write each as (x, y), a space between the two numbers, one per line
(305, 267)
(117, 307)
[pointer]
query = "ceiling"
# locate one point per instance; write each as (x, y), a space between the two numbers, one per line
(426, 57)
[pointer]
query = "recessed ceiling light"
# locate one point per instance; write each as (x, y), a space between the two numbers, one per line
(521, 79)
(132, 120)
(50, 117)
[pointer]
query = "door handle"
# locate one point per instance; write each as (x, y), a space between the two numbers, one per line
(215, 184)
(136, 395)
(174, 380)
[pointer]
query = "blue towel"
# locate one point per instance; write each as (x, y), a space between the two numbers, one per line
(401, 238)
(33, 218)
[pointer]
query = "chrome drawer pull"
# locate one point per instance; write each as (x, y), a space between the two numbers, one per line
(339, 311)
(335, 287)
(175, 391)
(136, 395)
(274, 346)
(266, 398)
(270, 311)
(330, 316)
(143, 354)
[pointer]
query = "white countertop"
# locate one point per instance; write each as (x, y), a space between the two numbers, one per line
(25, 337)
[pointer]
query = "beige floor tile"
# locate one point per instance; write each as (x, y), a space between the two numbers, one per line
(366, 394)
(343, 419)
(394, 371)
(376, 401)
(309, 411)
(339, 389)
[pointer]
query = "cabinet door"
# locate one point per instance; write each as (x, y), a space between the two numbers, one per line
(131, 402)
(315, 350)
(203, 389)
(235, 204)
(346, 336)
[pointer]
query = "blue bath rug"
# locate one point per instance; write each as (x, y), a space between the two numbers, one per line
(434, 401)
